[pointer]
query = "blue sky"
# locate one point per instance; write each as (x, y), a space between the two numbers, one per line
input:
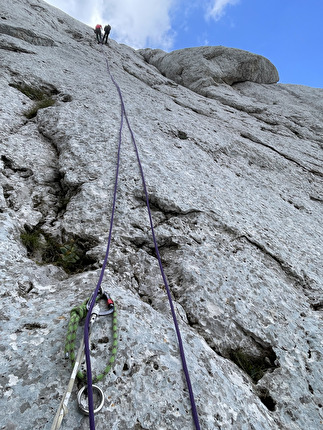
(287, 32)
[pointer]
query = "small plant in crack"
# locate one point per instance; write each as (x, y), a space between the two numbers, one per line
(46, 249)
(69, 254)
(66, 255)
(31, 240)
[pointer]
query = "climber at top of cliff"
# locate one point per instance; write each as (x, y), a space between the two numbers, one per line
(97, 31)
(107, 30)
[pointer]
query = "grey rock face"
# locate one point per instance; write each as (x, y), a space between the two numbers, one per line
(234, 176)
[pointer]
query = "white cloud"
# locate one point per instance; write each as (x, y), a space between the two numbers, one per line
(141, 23)
(137, 23)
(216, 9)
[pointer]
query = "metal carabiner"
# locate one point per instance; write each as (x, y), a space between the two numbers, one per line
(110, 303)
(82, 400)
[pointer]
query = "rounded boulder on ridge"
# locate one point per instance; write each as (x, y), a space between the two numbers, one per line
(203, 67)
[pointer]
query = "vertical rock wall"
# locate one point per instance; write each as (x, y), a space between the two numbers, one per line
(234, 176)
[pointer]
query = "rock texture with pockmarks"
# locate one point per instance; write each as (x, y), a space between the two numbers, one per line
(233, 165)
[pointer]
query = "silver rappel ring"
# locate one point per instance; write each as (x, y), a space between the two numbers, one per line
(79, 399)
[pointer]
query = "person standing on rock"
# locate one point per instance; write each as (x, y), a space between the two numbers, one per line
(98, 33)
(107, 30)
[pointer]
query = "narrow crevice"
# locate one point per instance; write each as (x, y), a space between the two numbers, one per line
(303, 281)
(12, 169)
(25, 288)
(292, 124)
(255, 360)
(76, 35)
(254, 365)
(168, 209)
(289, 272)
(316, 199)
(138, 426)
(26, 35)
(10, 164)
(266, 398)
(254, 139)
(67, 193)
(14, 48)
(34, 326)
(182, 135)
(318, 306)
(140, 242)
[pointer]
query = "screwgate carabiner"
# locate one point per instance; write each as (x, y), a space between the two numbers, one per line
(110, 303)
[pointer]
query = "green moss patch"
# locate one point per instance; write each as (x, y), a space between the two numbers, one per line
(43, 97)
(32, 112)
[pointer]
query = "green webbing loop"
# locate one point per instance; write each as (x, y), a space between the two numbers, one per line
(77, 314)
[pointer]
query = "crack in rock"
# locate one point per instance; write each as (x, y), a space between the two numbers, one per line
(26, 35)
(255, 139)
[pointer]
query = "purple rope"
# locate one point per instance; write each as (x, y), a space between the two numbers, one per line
(86, 328)
(96, 291)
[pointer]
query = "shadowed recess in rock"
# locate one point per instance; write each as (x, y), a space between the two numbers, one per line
(70, 253)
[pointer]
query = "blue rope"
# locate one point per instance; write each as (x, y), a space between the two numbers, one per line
(87, 321)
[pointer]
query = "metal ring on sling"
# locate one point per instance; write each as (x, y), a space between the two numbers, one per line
(80, 403)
